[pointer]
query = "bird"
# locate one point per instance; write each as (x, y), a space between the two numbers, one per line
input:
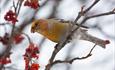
(56, 30)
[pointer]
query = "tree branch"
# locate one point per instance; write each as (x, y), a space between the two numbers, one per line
(98, 15)
(76, 58)
(82, 12)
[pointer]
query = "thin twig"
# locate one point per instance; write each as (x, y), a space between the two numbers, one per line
(20, 4)
(17, 4)
(98, 15)
(76, 58)
(14, 6)
(90, 7)
(82, 12)
(27, 37)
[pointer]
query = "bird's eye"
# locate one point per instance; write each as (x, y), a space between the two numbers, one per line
(36, 24)
(32, 27)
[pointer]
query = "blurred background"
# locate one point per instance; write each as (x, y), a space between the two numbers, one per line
(102, 27)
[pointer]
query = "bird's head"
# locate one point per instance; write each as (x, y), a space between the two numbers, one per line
(34, 26)
(39, 25)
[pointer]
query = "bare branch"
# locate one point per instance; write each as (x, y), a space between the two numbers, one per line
(98, 15)
(90, 7)
(27, 37)
(82, 12)
(76, 58)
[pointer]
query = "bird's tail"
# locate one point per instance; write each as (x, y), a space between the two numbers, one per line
(100, 42)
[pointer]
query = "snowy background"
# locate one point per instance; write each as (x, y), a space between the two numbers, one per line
(102, 59)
